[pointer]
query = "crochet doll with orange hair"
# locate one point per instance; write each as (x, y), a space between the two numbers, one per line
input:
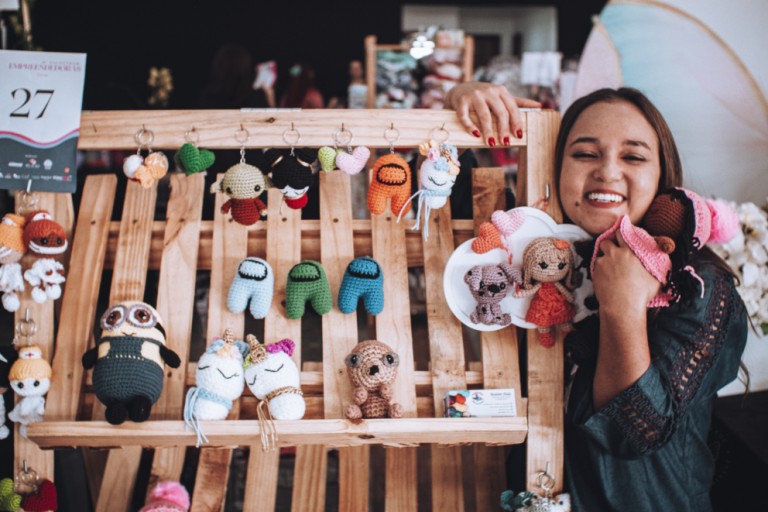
(547, 276)
(391, 180)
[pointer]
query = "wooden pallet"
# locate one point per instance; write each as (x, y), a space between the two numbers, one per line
(185, 243)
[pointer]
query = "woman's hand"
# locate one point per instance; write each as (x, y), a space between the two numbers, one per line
(492, 105)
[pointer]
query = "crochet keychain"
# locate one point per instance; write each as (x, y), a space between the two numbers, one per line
(547, 276)
(129, 360)
(351, 161)
(363, 279)
(46, 239)
(391, 178)
(190, 159)
(167, 496)
(28, 492)
(12, 249)
(437, 176)
(4, 430)
(531, 502)
(254, 284)
(307, 282)
(372, 369)
(291, 169)
(146, 170)
(30, 377)
(243, 183)
(219, 381)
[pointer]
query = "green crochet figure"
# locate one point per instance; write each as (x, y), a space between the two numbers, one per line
(307, 282)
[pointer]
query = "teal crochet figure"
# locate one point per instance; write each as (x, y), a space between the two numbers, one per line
(364, 280)
(307, 282)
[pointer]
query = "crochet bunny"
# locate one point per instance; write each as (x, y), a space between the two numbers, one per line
(243, 183)
(274, 378)
(372, 368)
(12, 249)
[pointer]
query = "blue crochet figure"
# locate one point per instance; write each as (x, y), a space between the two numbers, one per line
(362, 279)
(254, 282)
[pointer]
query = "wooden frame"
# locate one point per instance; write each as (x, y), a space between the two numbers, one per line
(184, 243)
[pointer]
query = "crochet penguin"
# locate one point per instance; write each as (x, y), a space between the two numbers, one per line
(128, 361)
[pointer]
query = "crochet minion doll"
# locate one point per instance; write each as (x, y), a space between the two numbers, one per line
(363, 279)
(391, 180)
(30, 378)
(128, 361)
(12, 249)
(307, 282)
(292, 173)
(243, 183)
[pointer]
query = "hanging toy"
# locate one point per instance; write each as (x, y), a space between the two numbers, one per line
(189, 158)
(291, 172)
(167, 496)
(128, 361)
(254, 284)
(243, 183)
(437, 176)
(12, 249)
(4, 430)
(10, 500)
(547, 276)
(274, 378)
(326, 155)
(28, 492)
(145, 170)
(372, 369)
(45, 237)
(30, 378)
(349, 161)
(219, 379)
(391, 180)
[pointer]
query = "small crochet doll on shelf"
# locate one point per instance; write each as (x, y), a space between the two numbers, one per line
(363, 279)
(372, 368)
(128, 361)
(167, 496)
(274, 378)
(30, 378)
(291, 172)
(547, 276)
(489, 285)
(243, 183)
(254, 284)
(307, 282)
(219, 382)
(45, 238)
(12, 249)
(391, 180)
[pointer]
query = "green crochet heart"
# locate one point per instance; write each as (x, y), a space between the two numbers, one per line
(192, 160)
(327, 157)
(9, 500)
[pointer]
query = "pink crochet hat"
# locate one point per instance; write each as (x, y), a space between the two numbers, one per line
(655, 261)
(716, 222)
(167, 496)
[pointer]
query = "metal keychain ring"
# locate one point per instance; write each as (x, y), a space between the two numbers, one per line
(26, 328)
(391, 134)
(288, 136)
(192, 136)
(242, 135)
(347, 139)
(434, 134)
(545, 481)
(144, 137)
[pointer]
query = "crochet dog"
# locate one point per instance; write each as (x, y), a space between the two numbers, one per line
(12, 249)
(254, 282)
(307, 282)
(243, 183)
(291, 172)
(391, 180)
(363, 279)
(372, 368)
(489, 285)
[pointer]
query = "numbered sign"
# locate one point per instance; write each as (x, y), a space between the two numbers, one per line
(41, 95)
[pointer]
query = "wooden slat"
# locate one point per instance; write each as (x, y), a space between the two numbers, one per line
(545, 365)
(261, 478)
(128, 282)
(309, 479)
(230, 246)
(175, 303)
(370, 70)
(499, 349)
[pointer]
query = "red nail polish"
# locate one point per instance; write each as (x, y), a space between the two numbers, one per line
(519, 134)
(506, 141)
(476, 133)
(491, 141)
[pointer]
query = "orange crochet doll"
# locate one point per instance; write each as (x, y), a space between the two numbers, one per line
(391, 179)
(547, 276)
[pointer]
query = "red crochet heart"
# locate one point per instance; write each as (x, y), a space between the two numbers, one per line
(45, 499)
(488, 238)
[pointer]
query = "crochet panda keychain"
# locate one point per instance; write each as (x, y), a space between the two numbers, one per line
(291, 169)
(437, 176)
(146, 170)
(190, 159)
(47, 240)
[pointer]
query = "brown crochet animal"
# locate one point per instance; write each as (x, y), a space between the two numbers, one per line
(391, 179)
(489, 285)
(372, 368)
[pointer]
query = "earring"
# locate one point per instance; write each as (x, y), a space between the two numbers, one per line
(190, 159)
(145, 170)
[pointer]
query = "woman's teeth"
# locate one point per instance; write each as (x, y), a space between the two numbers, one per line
(605, 198)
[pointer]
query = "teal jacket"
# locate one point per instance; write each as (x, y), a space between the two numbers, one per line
(647, 449)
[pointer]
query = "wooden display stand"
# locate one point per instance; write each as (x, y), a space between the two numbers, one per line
(185, 243)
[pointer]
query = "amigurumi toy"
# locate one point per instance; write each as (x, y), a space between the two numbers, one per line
(146, 170)
(219, 381)
(363, 279)
(191, 159)
(489, 285)
(274, 378)
(30, 378)
(391, 180)
(45, 238)
(243, 183)
(307, 282)
(372, 368)
(128, 361)
(12, 249)
(291, 172)
(167, 496)
(547, 276)
(254, 282)
(4, 383)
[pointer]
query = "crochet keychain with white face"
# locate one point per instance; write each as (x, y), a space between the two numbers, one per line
(12, 249)
(437, 175)
(46, 239)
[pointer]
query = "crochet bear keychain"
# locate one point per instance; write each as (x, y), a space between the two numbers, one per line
(437, 176)
(190, 159)
(145, 170)
(372, 368)
(45, 238)
(489, 285)
(12, 249)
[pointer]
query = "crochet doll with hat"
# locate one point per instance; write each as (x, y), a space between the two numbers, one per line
(30, 378)
(12, 249)
(46, 239)
(244, 184)
(372, 368)
(547, 276)
(167, 496)
(291, 172)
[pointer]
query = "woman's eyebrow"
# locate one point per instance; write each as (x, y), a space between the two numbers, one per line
(637, 143)
(592, 140)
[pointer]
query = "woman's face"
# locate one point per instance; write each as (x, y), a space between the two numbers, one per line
(610, 166)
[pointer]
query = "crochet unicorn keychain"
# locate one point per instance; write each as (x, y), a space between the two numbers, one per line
(437, 176)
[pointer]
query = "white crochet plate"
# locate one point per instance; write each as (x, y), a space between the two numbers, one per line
(537, 224)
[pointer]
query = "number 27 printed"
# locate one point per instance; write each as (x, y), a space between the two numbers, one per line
(28, 97)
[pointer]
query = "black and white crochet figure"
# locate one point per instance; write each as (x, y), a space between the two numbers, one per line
(254, 283)
(364, 280)
(291, 172)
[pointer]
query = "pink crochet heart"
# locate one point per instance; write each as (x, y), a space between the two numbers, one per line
(508, 222)
(354, 163)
